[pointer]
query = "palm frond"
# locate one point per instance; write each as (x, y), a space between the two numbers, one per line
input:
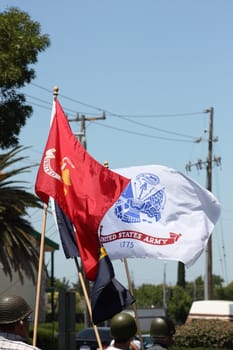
(18, 252)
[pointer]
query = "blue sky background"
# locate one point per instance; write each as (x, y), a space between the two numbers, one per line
(154, 66)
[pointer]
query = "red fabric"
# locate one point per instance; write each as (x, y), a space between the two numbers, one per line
(82, 187)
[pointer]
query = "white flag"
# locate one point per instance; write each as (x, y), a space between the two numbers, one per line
(162, 214)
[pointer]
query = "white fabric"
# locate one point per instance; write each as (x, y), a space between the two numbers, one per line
(10, 341)
(112, 347)
(162, 214)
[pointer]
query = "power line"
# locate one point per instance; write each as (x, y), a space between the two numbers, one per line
(154, 115)
(188, 114)
(142, 134)
(130, 121)
(125, 117)
(159, 129)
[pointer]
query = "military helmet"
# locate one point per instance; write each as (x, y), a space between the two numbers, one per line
(123, 326)
(162, 327)
(13, 308)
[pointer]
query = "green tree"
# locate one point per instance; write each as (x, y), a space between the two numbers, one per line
(17, 250)
(149, 295)
(199, 288)
(20, 43)
(179, 303)
(228, 292)
(62, 285)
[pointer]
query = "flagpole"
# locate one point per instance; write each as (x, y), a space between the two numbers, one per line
(100, 346)
(41, 258)
(134, 304)
(40, 268)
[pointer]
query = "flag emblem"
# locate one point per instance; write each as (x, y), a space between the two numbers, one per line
(142, 200)
(65, 172)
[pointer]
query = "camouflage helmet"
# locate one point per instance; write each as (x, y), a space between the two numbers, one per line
(123, 326)
(13, 308)
(162, 327)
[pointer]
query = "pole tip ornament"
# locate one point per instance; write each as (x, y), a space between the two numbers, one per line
(106, 164)
(55, 91)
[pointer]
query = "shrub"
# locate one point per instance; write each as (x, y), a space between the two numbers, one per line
(46, 336)
(205, 333)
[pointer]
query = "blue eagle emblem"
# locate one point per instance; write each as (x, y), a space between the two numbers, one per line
(142, 200)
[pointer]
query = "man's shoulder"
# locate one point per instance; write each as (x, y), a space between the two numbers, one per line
(15, 344)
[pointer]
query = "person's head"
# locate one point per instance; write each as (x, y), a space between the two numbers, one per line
(14, 315)
(162, 330)
(123, 327)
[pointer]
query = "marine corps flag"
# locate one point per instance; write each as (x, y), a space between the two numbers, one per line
(108, 296)
(83, 188)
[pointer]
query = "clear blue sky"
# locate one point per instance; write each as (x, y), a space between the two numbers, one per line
(163, 62)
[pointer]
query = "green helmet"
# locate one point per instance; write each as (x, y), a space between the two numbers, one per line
(13, 308)
(123, 326)
(162, 327)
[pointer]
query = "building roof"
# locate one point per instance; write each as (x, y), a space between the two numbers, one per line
(49, 245)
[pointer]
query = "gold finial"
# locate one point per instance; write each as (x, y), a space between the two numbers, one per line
(106, 164)
(55, 92)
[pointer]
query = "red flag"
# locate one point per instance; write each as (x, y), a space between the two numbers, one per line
(82, 187)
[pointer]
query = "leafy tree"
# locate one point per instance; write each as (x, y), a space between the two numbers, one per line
(17, 250)
(62, 285)
(217, 281)
(218, 290)
(179, 304)
(20, 43)
(78, 287)
(149, 295)
(228, 292)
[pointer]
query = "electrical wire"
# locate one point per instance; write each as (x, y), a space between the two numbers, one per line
(159, 129)
(125, 117)
(190, 114)
(140, 134)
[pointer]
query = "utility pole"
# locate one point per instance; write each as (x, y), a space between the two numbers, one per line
(208, 164)
(83, 140)
(82, 119)
(209, 292)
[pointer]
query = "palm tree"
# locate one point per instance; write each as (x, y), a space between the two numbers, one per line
(17, 250)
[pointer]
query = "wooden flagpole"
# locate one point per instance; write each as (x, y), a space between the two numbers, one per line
(134, 304)
(39, 277)
(41, 260)
(100, 346)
